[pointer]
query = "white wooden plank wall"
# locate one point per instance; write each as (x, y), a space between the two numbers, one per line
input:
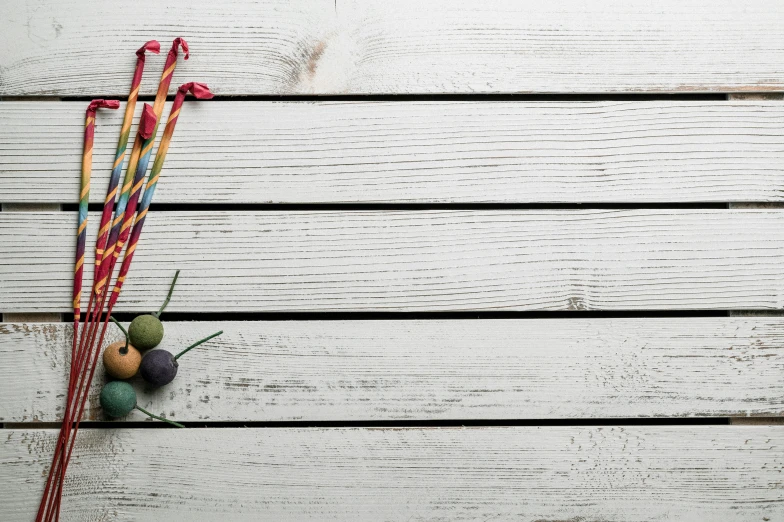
(634, 473)
(67, 48)
(425, 370)
(598, 269)
(423, 260)
(471, 151)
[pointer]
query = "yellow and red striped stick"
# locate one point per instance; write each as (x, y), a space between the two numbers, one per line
(111, 192)
(126, 207)
(125, 132)
(154, 47)
(84, 200)
(201, 92)
(79, 384)
(123, 219)
(81, 239)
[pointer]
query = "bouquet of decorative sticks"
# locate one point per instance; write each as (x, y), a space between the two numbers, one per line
(129, 210)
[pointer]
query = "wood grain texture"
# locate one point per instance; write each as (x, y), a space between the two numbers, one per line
(29, 317)
(642, 473)
(427, 370)
(417, 260)
(393, 152)
(68, 48)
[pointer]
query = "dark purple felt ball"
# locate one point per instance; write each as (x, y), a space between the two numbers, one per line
(158, 367)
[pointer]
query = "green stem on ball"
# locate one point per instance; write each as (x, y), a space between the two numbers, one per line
(176, 424)
(168, 297)
(197, 343)
(124, 349)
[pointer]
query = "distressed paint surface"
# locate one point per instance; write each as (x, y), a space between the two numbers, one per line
(33, 317)
(427, 370)
(421, 152)
(416, 152)
(636, 473)
(433, 260)
(407, 46)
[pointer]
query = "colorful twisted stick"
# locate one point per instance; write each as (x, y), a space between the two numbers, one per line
(81, 239)
(123, 220)
(84, 200)
(125, 132)
(201, 92)
(79, 384)
(108, 206)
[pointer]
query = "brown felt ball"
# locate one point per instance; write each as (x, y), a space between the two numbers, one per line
(121, 365)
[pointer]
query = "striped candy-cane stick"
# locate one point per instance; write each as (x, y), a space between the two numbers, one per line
(126, 206)
(81, 239)
(201, 92)
(89, 352)
(108, 208)
(82, 355)
(84, 199)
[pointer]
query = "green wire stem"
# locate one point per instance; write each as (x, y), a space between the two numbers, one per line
(124, 349)
(197, 343)
(168, 297)
(177, 424)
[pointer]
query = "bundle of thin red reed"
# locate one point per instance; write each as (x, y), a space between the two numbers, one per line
(112, 236)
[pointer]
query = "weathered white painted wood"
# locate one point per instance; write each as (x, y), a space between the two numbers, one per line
(417, 260)
(373, 46)
(332, 152)
(640, 473)
(428, 370)
(29, 317)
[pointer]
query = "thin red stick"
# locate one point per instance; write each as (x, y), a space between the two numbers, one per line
(81, 237)
(152, 46)
(201, 92)
(88, 352)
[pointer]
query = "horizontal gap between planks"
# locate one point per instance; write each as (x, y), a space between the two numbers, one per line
(419, 316)
(310, 207)
(382, 316)
(401, 424)
(423, 97)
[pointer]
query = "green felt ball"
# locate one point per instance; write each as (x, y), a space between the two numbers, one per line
(145, 332)
(118, 398)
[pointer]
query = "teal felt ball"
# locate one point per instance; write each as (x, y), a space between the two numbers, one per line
(145, 332)
(118, 399)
